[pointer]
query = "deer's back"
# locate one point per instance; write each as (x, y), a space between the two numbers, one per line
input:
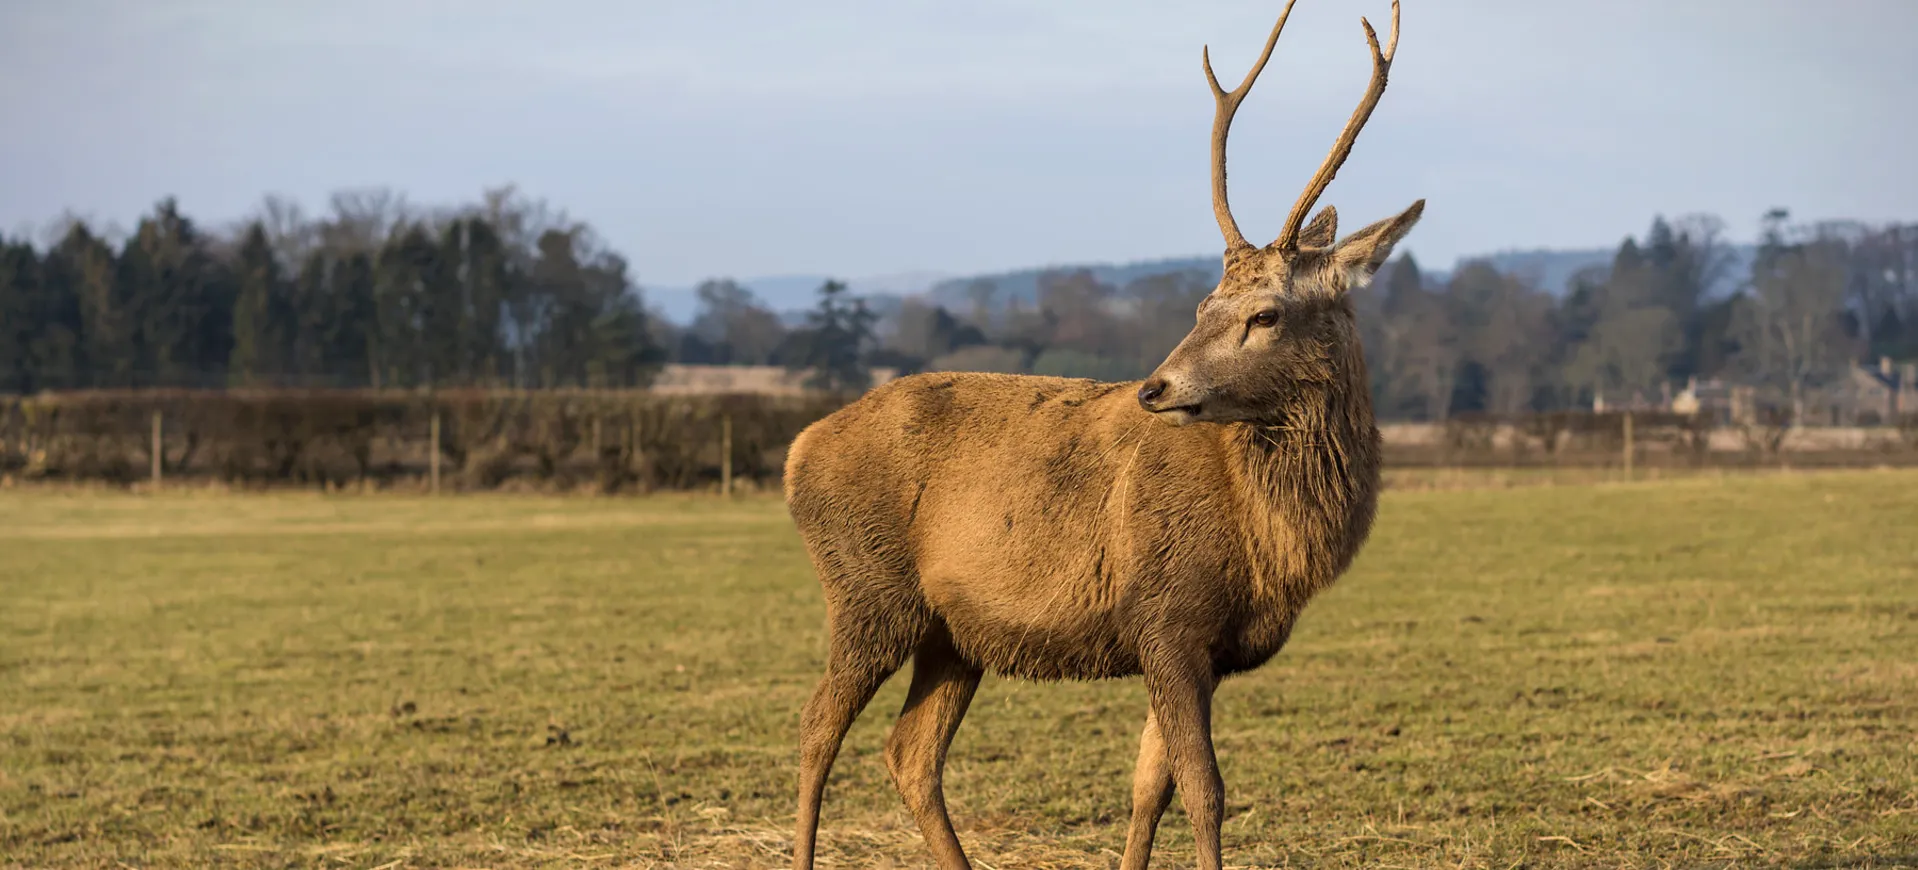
(930, 440)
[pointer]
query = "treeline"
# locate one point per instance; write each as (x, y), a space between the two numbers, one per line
(1814, 300)
(375, 294)
(508, 292)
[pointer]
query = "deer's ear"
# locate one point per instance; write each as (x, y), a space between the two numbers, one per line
(1358, 256)
(1322, 230)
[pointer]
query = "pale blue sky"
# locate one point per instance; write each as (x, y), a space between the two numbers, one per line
(861, 138)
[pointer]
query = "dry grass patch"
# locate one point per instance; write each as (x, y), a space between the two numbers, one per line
(1706, 672)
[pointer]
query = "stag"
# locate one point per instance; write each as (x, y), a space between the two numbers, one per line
(1050, 528)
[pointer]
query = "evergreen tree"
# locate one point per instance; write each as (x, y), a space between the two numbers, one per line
(407, 297)
(80, 271)
(262, 313)
(350, 332)
(558, 290)
(623, 350)
(482, 270)
(834, 343)
(19, 321)
(444, 316)
(179, 301)
(51, 350)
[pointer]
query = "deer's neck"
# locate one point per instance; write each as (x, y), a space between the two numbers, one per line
(1308, 487)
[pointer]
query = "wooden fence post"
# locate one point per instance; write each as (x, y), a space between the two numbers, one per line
(158, 450)
(433, 457)
(632, 444)
(1628, 445)
(726, 455)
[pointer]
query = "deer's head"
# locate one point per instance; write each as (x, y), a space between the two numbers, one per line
(1280, 320)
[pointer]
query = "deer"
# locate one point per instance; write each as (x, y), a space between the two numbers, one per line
(1047, 528)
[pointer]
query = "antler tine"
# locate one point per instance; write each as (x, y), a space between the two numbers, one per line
(1381, 65)
(1227, 105)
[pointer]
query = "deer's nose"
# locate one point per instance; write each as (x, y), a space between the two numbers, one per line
(1150, 391)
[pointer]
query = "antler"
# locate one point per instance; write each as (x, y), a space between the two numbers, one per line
(1228, 103)
(1381, 64)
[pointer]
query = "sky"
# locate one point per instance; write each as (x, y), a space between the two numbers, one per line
(752, 137)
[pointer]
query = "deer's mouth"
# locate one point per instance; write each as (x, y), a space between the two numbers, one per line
(1179, 415)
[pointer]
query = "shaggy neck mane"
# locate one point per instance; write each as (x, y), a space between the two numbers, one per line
(1309, 486)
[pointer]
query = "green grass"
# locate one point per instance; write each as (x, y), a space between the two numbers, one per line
(1717, 671)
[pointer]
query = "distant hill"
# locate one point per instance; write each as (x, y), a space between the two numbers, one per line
(1553, 270)
(791, 295)
(1550, 270)
(1023, 284)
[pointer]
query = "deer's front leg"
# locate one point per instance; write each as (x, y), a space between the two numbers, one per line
(1181, 692)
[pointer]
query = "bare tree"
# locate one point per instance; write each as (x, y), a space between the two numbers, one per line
(1423, 352)
(1077, 306)
(1708, 259)
(981, 291)
(1793, 324)
(731, 318)
(1502, 327)
(1160, 306)
(921, 330)
(912, 330)
(1629, 333)
(364, 218)
(291, 234)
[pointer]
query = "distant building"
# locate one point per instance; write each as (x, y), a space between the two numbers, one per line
(1869, 396)
(1725, 403)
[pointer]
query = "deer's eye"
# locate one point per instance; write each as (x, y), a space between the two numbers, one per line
(1265, 318)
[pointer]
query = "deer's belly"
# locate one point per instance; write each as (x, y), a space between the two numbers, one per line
(1047, 628)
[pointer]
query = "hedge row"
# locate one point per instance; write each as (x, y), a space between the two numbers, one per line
(610, 439)
(634, 440)
(1584, 438)
(1562, 435)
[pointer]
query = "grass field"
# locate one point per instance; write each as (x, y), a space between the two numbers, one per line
(1716, 671)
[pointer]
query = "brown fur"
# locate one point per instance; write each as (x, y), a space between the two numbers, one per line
(1051, 528)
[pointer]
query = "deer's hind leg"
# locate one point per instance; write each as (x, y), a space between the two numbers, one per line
(942, 686)
(1151, 794)
(872, 634)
